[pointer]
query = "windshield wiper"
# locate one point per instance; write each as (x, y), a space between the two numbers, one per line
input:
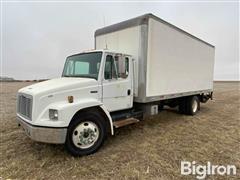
(83, 76)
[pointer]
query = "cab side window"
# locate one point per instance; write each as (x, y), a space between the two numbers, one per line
(110, 68)
(122, 66)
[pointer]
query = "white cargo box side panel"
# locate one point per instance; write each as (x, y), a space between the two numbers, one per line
(123, 41)
(176, 62)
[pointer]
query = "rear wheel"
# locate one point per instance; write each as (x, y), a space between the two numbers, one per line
(86, 134)
(182, 105)
(193, 105)
(189, 105)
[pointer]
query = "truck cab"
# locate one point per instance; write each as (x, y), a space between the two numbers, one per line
(76, 108)
(112, 72)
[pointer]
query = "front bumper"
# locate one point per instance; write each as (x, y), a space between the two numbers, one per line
(43, 134)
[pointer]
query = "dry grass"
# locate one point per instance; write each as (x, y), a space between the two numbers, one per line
(151, 149)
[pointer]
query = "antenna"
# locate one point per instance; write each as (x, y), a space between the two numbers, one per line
(105, 34)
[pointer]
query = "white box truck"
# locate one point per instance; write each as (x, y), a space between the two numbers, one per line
(137, 67)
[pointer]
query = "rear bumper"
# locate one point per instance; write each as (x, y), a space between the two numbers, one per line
(43, 134)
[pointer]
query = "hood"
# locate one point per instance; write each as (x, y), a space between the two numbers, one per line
(56, 85)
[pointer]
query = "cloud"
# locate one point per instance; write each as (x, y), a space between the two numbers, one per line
(37, 37)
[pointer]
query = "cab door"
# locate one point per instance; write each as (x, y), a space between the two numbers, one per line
(117, 82)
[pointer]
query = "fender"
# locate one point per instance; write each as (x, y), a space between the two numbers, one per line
(66, 111)
(109, 118)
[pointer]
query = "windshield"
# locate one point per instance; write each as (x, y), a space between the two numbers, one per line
(83, 65)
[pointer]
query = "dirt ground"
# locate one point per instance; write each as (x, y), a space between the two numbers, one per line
(151, 149)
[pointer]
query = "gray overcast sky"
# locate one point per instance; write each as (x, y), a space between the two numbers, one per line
(37, 37)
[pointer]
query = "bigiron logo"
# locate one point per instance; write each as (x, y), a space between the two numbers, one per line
(201, 171)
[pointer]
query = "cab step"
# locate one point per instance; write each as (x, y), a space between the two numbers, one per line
(125, 122)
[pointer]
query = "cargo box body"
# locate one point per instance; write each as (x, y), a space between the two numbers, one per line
(169, 62)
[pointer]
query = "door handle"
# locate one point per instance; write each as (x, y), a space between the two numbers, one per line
(93, 91)
(129, 92)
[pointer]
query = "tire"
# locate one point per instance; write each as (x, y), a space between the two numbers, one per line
(182, 106)
(192, 105)
(86, 134)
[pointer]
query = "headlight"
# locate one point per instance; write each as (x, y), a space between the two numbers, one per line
(53, 114)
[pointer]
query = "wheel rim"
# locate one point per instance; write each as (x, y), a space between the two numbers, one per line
(195, 106)
(85, 134)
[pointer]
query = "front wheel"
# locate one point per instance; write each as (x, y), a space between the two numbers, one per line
(86, 134)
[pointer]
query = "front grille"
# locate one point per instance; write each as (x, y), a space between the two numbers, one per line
(25, 106)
